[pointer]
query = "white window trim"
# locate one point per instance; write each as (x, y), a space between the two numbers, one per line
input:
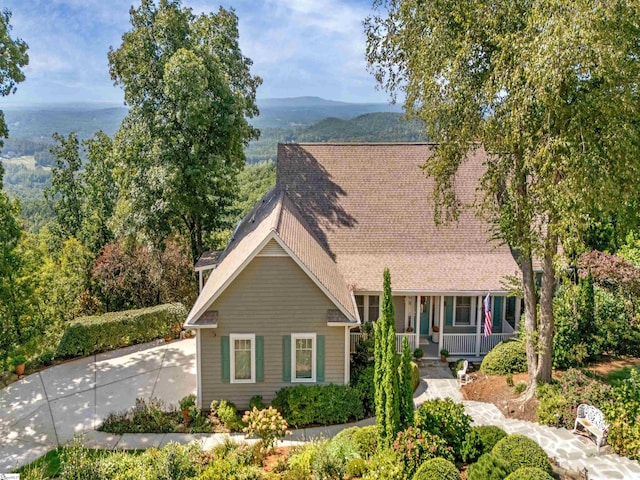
(232, 354)
(314, 353)
(472, 313)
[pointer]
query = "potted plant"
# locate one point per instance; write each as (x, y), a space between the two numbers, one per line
(444, 353)
(18, 364)
(176, 329)
(418, 354)
(186, 405)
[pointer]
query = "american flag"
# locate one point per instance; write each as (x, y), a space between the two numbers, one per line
(487, 316)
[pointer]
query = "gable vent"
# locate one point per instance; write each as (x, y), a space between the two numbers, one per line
(272, 249)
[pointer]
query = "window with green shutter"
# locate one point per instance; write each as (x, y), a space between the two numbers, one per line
(259, 359)
(286, 358)
(225, 359)
(448, 310)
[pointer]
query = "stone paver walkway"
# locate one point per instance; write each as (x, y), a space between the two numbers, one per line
(573, 452)
(46, 409)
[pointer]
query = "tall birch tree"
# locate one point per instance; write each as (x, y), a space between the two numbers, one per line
(550, 90)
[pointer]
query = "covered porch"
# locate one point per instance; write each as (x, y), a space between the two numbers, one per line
(455, 322)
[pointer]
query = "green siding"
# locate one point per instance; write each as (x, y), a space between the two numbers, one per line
(272, 297)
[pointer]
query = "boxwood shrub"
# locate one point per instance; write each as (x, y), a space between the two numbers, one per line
(305, 405)
(529, 473)
(101, 333)
(520, 451)
(509, 356)
(437, 468)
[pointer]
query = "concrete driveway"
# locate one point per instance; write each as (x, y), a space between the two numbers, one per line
(48, 408)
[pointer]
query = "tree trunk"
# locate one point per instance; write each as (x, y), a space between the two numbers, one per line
(530, 323)
(547, 324)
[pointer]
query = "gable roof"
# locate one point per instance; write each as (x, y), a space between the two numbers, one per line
(275, 218)
(370, 206)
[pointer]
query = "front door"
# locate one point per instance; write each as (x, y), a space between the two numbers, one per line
(425, 317)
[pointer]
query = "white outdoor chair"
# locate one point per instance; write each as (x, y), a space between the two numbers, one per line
(463, 376)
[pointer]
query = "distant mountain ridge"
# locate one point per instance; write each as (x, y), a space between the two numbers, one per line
(304, 119)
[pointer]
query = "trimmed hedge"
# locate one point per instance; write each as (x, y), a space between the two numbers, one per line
(509, 356)
(520, 451)
(437, 468)
(101, 333)
(529, 473)
(305, 405)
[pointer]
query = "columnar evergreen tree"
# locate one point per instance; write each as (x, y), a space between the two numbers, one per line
(386, 369)
(380, 342)
(406, 389)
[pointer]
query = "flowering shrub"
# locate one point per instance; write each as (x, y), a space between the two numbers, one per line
(267, 424)
(623, 415)
(559, 401)
(415, 446)
(446, 419)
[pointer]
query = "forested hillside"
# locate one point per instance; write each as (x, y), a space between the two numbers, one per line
(27, 159)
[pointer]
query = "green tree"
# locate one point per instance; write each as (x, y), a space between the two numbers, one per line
(406, 388)
(181, 145)
(100, 192)
(387, 395)
(66, 193)
(13, 58)
(550, 89)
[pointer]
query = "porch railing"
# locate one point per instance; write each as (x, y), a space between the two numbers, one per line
(459, 343)
(466, 343)
(487, 343)
(411, 337)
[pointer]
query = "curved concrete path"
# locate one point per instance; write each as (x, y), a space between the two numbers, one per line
(46, 409)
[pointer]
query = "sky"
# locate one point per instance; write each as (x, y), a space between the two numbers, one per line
(298, 47)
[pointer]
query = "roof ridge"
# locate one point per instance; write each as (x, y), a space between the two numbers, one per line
(278, 216)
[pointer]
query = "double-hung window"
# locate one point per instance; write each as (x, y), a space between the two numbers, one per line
(303, 357)
(464, 314)
(243, 358)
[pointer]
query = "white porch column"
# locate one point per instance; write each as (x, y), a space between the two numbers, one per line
(417, 337)
(441, 337)
(478, 325)
(518, 312)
